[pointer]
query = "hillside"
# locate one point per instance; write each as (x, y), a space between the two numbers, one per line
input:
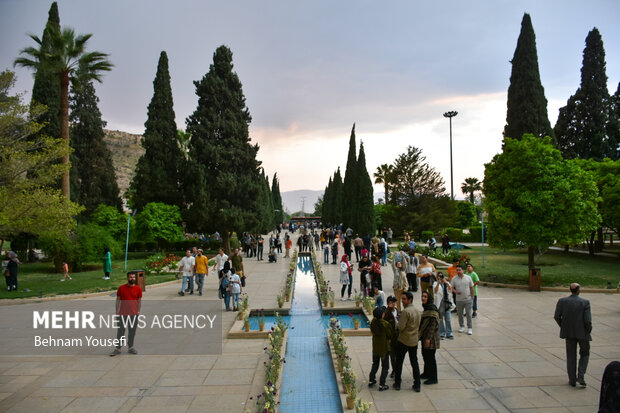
(126, 150)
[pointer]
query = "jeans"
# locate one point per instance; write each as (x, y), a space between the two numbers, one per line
(401, 351)
(259, 253)
(445, 320)
(430, 364)
(188, 282)
(464, 305)
(358, 253)
(235, 300)
(131, 321)
(344, 287)
(227, 299)
(326, 257)
(475, 307)
(384, 259)
(200, 282)
(571, 358)
(385, 366)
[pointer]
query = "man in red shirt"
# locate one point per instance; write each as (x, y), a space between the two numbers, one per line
(128, 302)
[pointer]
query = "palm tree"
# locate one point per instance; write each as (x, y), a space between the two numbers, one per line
(470, 186)
(383, 176)
(64, 55)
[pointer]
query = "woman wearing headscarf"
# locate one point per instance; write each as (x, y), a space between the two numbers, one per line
(107, 263)
(429, 336)
(610, 389)
(346, 276)
(11, 268)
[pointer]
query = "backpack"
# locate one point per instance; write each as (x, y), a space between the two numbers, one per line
(225, 282)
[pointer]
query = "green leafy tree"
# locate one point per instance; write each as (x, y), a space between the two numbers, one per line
(159, 222)
(46, 88)
(535, 198)
(466, 213)
(527, 105)
(318, 206)
(351, 186)
(383, 175)
(223, 167)
(28, 201)
(111, 219)
(365, 223)
(414, 178)
(64, 55)
(470, 186)
(93, 177)
(583, 129)
(157, 177)
(278, 213)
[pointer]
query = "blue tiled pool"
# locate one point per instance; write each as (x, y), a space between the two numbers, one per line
(345, 321)
(309, 381)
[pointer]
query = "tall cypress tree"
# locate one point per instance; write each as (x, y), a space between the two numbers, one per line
(350, 189)
(327, 215)
(93, 178)
(527, 105)
(365, 198)
(337, 201)
(265, 203)
(278, 213)
(157, 173)
(46, 88)
(583, 126)
(223, 161)
(614, 124)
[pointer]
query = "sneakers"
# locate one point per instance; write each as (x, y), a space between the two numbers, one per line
(62, 280)
(581, 382)
(469, 331)
(372, 383)
(116, 352)
(132, 351)
(181, 293)
(450, 337)
(461, 329)
(383, 387)
(474, 315)
(416, 388)
(343, 299)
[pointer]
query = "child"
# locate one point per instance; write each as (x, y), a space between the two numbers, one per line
(381, 335)
(65, 269)
(235, 288)
(379, 297)
(326, 253)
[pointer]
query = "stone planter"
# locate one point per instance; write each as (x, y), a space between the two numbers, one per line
(350, 403)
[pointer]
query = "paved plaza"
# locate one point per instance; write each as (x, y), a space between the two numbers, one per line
(514, 362)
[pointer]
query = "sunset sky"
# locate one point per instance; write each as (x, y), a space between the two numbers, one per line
(311, 69)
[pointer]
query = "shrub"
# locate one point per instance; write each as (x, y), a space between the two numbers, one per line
(476, 234)
(111, 219)
(455, 234)
(426, 235)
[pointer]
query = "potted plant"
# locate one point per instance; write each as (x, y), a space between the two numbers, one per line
(358, 298)
(246, 321)
(348, 382)
(261, 320)
(332, 298)
(362, 406)
(280, 300)
(356, 321)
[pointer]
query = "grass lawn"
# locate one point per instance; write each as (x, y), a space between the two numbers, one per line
(558, 268)
(42, 280)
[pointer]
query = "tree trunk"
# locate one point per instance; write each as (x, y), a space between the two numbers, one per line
(566, 248)
(531, 251)
(386, 192)
(471, 197)
(590, 243)
(226, 242)
(64, 129)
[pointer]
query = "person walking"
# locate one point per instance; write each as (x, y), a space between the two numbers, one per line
(335, 251)
(186, 268)
(391, 315)
(289, 244)
(220, 260)
(65, 270)
(107, 263)
(236, 262)
(381, 335)
(429, 336)
(128, 304)
(408, 328)
(202, 270)
(358, 243)
(573, 315)
(463, 286)
(346, 276)
(11, 271)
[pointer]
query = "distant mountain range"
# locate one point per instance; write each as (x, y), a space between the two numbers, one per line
(293, 201)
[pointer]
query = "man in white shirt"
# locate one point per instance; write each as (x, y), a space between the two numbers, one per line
(220, 259)
(463, 286)
(186, 267)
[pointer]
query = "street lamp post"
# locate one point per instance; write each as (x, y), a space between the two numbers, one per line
(450, 115)
(127, 242)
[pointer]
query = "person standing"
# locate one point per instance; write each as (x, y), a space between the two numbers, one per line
(451, 274)
(381, 335)
(186, 268)
(335, 251)
(572, 314)
(11, 269)
(128, 303)
(236, 262)
(390, 234)
(463, 286)
(107, 263)
(408, 327)
(202, 270)
(429, 336)
(400, 267)
(442, 291)
(391, 315)
(476, 279)
(289, 244)
(445, 243)
(259, 248)
(358, 243)
(220, 259)
(426, 274)
(364, 268)
(234, 283)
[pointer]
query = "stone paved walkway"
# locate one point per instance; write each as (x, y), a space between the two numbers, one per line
(514, 362)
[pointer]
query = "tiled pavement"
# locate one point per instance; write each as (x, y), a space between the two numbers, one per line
(514, 362)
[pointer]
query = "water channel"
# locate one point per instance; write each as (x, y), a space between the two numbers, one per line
(309, 381)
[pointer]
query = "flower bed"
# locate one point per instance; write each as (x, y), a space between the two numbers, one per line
(156, 264)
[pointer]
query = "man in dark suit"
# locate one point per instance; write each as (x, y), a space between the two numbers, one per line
(573, 316)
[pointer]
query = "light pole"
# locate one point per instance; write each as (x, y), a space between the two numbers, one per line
(127, 242)
(450, 115)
